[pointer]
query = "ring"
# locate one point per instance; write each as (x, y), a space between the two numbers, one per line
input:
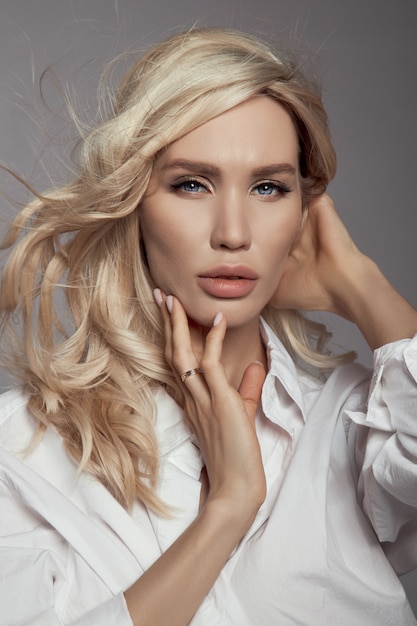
(188, 373)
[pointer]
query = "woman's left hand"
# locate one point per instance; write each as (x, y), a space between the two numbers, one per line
(322, 264)
(325, 271)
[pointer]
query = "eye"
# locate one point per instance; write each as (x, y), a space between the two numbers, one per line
(270, 188)
(190, 185)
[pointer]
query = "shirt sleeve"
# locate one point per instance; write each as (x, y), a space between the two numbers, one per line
(28, 584)
(383, 440)
(27, 593)
(112, 612)
(36, 572)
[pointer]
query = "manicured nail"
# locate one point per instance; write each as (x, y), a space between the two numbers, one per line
(158, 296)
(170, 303)
(218, 318)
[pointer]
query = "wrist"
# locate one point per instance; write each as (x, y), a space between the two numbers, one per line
(357, 282)
(374, 305)
(234, 517)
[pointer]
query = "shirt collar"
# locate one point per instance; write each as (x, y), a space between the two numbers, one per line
(282, 386)
(281, 390)
(171, 426)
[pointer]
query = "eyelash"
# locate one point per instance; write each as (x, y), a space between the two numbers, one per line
(280, 188)
(178, 186)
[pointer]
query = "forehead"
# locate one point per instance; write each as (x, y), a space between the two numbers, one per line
(258, 131)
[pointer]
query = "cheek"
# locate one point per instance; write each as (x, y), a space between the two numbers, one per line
(153, 244)
(166, 247)
(158, 252)
(156, 232)
(169, 232)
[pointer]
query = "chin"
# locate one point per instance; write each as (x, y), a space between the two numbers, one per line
(234, 315)
(206, 321)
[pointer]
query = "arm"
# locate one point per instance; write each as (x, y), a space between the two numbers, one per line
(325, 271)
(379, 311)
(36, 568)
(171, 591)
(173, 588)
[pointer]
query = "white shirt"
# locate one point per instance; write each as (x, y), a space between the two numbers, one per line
(340, 460)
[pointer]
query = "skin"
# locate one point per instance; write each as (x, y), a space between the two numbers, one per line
(326, 272)
(222, 197)
(315, 265)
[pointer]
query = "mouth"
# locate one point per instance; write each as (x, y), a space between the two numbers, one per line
(237, 272)
(228, 277)
(227, 282)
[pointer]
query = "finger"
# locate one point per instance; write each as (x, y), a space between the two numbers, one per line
(197, 338)
(183, 357)
(250, 388)
(211, 357)
(330, 226)
(160, 299)
(183, 354)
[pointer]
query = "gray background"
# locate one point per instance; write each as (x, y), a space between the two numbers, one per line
(365, 51)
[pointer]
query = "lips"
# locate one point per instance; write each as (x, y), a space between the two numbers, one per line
(235, 272)
(228, 281)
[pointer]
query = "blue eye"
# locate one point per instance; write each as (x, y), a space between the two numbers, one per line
(190, 186)
(266, 189)
(271, 189)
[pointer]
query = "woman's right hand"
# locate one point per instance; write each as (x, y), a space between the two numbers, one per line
(221, 417)
(172, 589)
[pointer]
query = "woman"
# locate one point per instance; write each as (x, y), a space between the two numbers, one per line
(192, 455)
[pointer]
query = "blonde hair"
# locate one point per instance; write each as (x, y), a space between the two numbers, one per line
(92, 376)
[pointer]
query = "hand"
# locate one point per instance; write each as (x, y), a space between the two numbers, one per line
(323, 264)
(223, 420)
(221, 417)
(325, 271)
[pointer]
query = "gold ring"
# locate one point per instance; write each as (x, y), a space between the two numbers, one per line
(188, 373)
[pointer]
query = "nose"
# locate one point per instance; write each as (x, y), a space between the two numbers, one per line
(231, 226)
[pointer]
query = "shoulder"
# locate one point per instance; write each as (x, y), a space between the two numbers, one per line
(17, 425)
(351, 381)
(311, 379)
(11, 402)
(25, 453)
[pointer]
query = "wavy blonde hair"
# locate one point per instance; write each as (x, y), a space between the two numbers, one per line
(92, 376)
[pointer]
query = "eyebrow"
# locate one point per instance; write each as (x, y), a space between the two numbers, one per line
(200, 167)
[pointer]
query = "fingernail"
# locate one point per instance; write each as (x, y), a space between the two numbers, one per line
(218, 318)
(170, 303)
(157, 296)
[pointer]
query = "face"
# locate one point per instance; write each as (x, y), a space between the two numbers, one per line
(222, 211)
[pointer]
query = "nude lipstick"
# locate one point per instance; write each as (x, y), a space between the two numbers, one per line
(228, 281)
